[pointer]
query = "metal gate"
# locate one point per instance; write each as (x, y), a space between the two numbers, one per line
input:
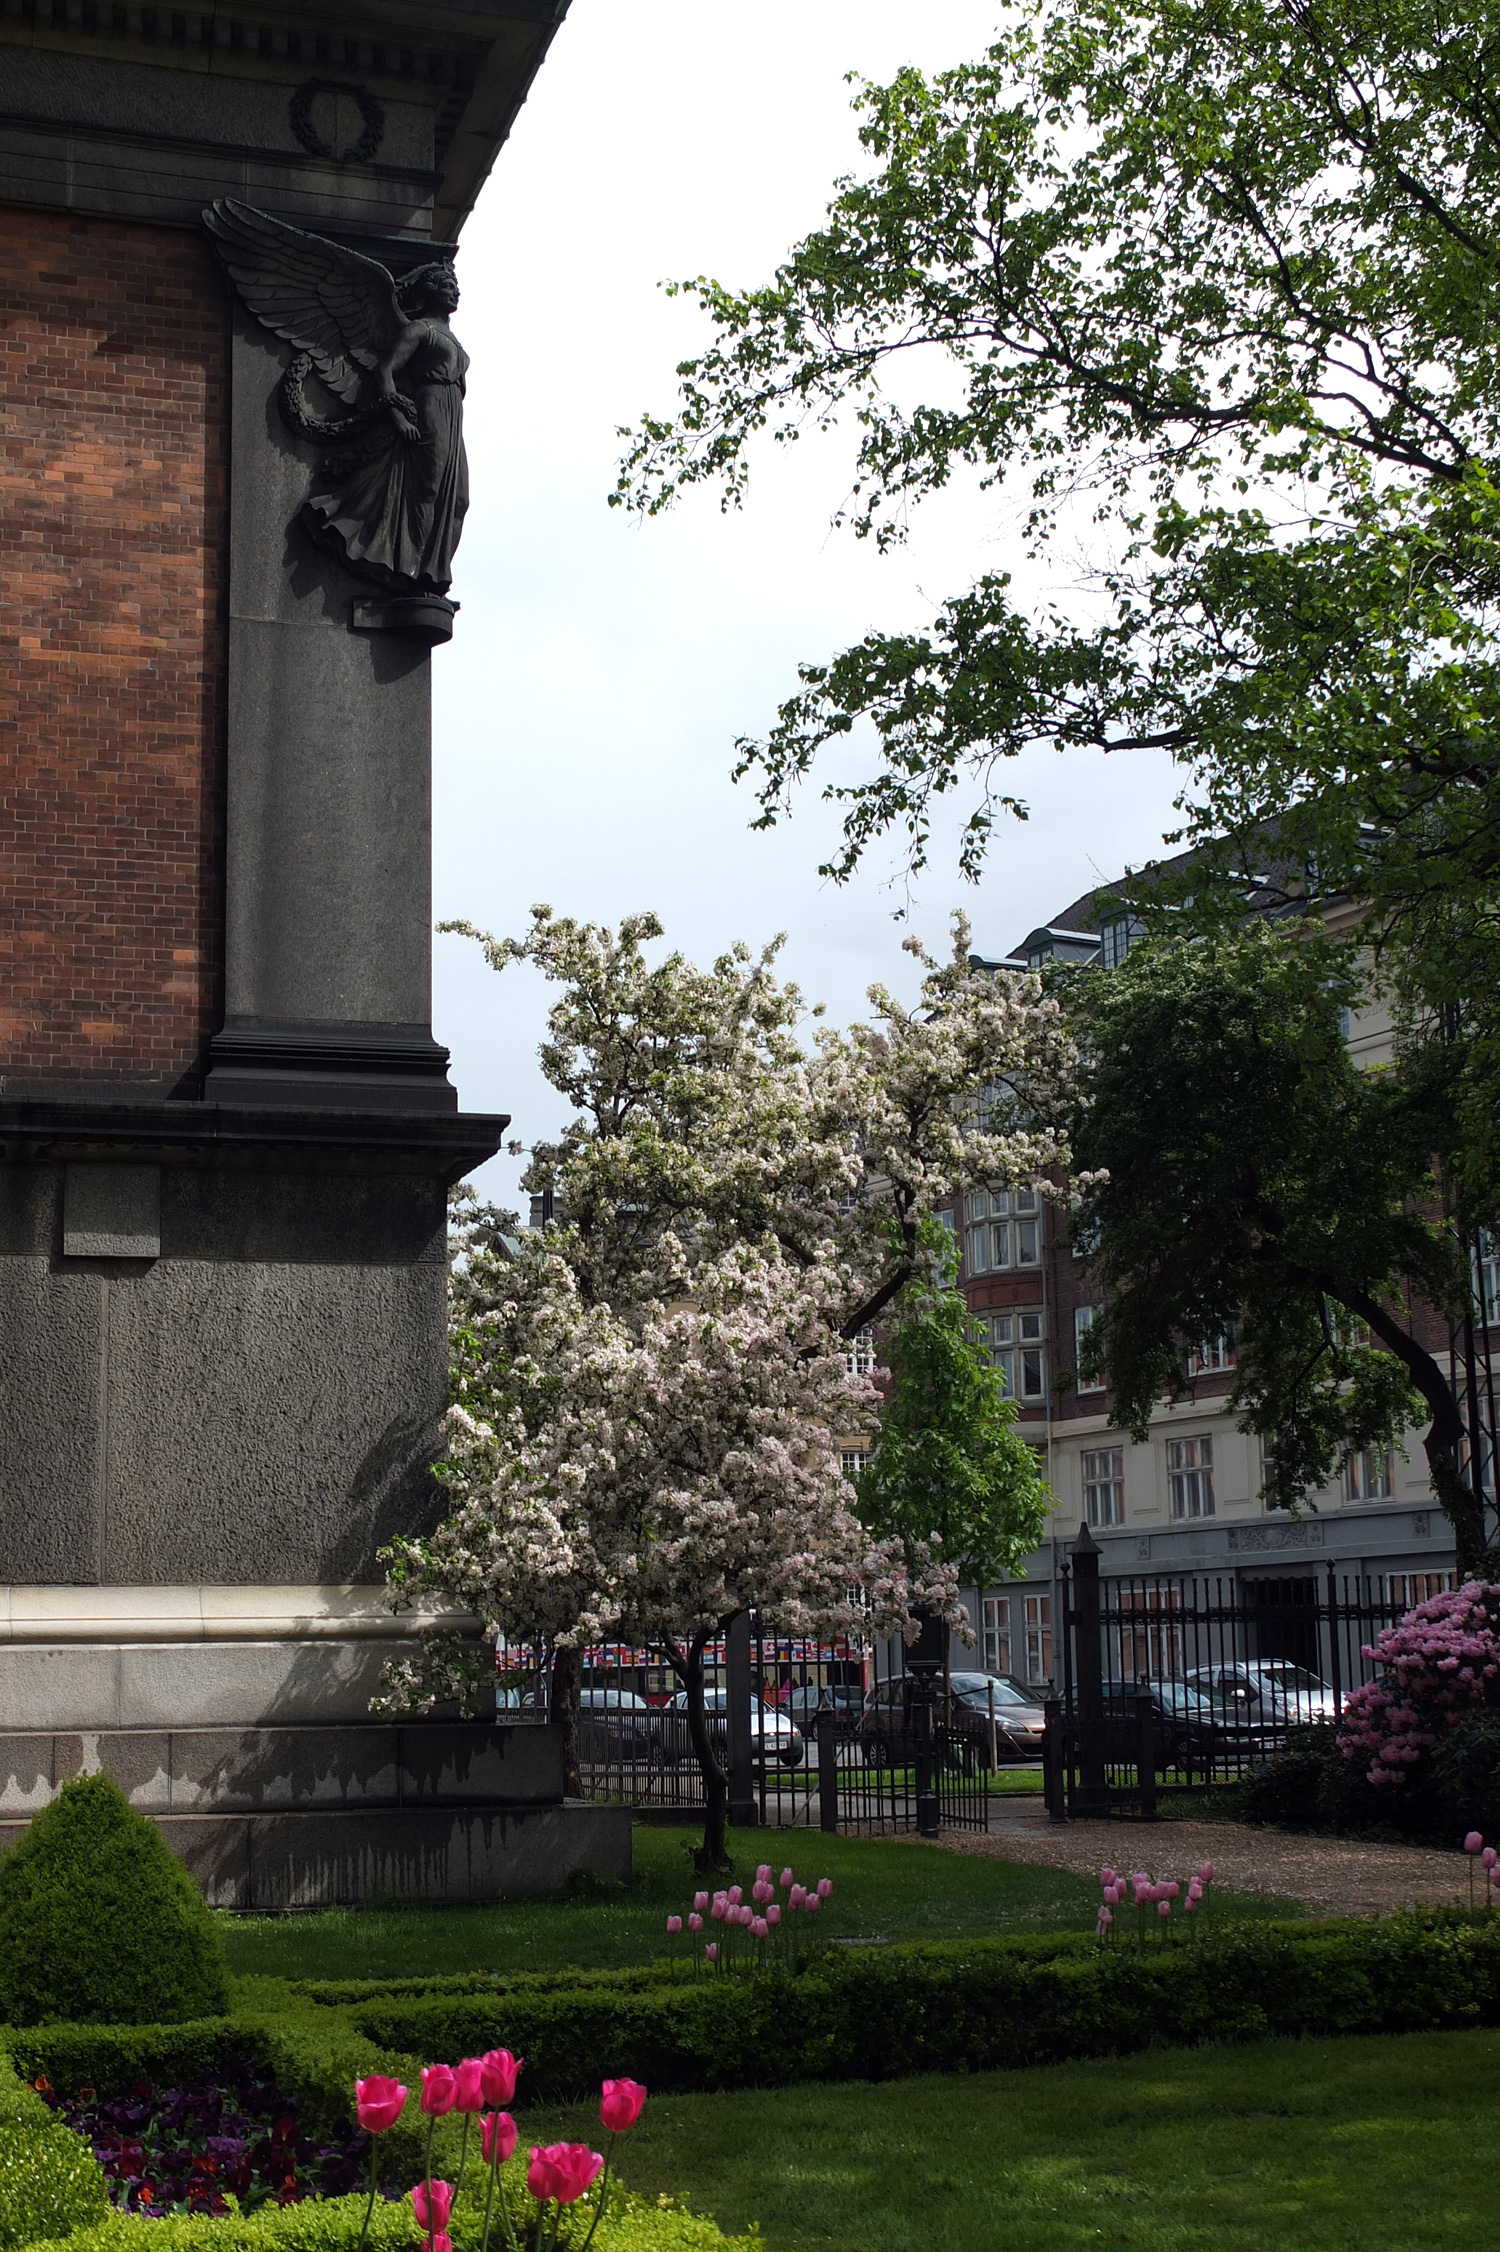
(1176, 1684)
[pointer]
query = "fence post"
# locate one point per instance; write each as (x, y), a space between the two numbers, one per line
(1145, 1753)
(1335, 1654)
(1053, 1793)
(928, 1812)
(828, 1773)
(742, 1806)
(1088, 1674)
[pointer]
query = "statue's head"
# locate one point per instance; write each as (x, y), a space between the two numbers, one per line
(428, 288)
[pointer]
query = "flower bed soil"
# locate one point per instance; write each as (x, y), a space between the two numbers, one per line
(185, 2150)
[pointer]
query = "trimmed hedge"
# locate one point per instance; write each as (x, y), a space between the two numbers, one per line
(97, 1919)
(50, 2180)
(954, 2006)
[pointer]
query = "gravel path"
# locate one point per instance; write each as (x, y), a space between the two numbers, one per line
(1332, 1876)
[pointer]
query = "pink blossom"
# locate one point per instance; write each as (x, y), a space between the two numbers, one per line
(813, 1903)
(758, 1927)
(1190, 1905)
(734, 1895)
(501, 2071)
(674, 1926)
(825, 1887)
(763, 1873)
(712, 1950)
(563, 2171)
(773, 1913)
(620, 2105)
(695, 1923)
(798, 1895)
(700, 1903)
(439, 2089)
(761, 1892)
(1489, 1857)
(1435, 1665)
(1473, 1843)
(497, 2137)
(1106, 1877)
(468, 2093)
(1164, 1907)
(1206, 1871)
(786, 1878)
(378, 2103)
(1171, 1888)
(720, 1908)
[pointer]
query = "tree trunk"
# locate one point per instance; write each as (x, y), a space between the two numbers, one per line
(714, 1853)
(1443, 1444)
(567, 1674)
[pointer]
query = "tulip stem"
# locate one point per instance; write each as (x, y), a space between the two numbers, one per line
(463, 2160)
(370, 2207)
(603, 2194)
(427, 2171)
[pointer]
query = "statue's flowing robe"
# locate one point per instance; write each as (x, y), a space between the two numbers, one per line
(398, 517)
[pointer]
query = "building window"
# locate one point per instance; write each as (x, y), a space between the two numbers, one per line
(1117, 937)
(859, 1353)
(1487, 1277)
(1038, 1614)
(1003, 1229)
(995, 1633)
(1016, 1349)
(1217, 1353)
(852, 1461)
(1369, 1475)
(1190, 1476)
(1104, 1485)
(1409, 1588)
(1084, 1318)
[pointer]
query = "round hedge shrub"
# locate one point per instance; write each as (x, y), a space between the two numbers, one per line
(1465, 1769)
(98, 1922)
(53, 2184)
(1310, 1785)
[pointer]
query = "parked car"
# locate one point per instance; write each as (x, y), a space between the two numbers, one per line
(845, 1700)
(1270, 1689)
(888, 1732)
(615, 1728)
(1193, 1726)
(774, 1737)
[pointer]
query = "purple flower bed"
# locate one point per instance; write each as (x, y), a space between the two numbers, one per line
(182, 2150)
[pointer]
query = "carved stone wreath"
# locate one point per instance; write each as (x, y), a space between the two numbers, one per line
(313, 141)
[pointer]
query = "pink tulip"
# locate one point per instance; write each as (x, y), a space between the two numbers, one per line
(734, 1895)
(1190, 1905)
(773, 1914)
(695, 1923)
(1195, 1890)
(812, 1903)
(440, 2241)
(758, 1927)
(501, 2072)
(432, 2213)
(1164, 1907)
(620, 2105)
(439, 2089)
(563, 2171)
(712, 1950)
(799, 1894)
(497, 2137)
(1106, 1876)
(674, 1926)
(1172, 1889)
(720, 1908)
(1206, 1871)
(1142, 1890)
(786, 1880)
(825, 1887)
(761, 1892)
(700, 1903)
(378, 2103)
(468, 2092)
(1106, 1918)
(1473, 1843)
(763, 1873)
(1489, 1857)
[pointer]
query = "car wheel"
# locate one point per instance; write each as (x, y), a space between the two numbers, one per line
(877, 1752)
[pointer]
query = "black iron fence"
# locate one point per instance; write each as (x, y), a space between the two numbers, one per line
(845, 1737)
(1182, 1684)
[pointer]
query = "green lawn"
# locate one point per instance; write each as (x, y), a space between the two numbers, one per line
(1381, 2145)
(883, 1888)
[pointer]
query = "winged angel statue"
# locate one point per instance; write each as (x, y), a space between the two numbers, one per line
(390, 497)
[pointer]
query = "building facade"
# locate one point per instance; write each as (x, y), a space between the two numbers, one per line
(1186, 1500)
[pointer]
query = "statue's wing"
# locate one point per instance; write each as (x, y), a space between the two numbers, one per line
(321, 298)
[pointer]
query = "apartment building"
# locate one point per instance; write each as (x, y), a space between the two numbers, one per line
(1187, 1499)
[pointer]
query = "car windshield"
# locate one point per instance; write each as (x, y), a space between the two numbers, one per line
(1294, 1680)
(975, 1689)
(1179, 1696)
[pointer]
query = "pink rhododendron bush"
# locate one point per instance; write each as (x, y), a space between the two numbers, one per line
(1439, 1664)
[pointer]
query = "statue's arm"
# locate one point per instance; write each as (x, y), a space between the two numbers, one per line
(396, 358)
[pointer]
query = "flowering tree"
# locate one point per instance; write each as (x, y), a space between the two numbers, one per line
(1438, 1663)
(649, 1394)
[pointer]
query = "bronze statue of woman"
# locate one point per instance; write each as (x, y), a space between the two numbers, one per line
(391, 500)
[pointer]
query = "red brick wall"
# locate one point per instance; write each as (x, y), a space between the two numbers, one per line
(114, 395)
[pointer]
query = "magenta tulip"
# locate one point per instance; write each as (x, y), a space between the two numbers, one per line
(812, 1904)
(1473, 1843)
(468, 2089)
(763, 1873)
(712, 1950)
(563, 2171)
(1206, 1871)
(501, 2072)
(620, 2105)
(378, 2103)
(773, 1914)
(720, 1908)
(695, 1923)
(734, 1895)
(674, 1926)
(799, 1894)
(761, 1892)
(758, 1927)
(700, 1903)
(825, 1887)
(1164, 1907)
(497, 2137)
(1489, 1857)
(432, 2210)
(1106, 1876)
(439, 2089)
(786, 1879)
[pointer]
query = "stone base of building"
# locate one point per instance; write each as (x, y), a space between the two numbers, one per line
(312, 1816)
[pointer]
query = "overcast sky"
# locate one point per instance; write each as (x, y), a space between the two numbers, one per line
(586, 710)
